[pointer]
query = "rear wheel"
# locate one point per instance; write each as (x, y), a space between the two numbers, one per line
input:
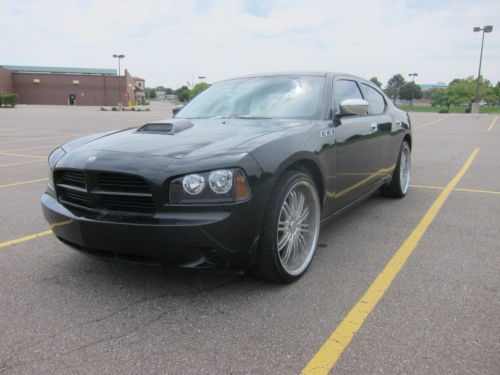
(401, 176)
(291, 229)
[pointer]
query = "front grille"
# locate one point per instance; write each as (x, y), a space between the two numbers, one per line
(76, 178)
(122, 182)
(74, 197)
(104, 191)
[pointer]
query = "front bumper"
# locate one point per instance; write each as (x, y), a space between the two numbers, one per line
(225, 235)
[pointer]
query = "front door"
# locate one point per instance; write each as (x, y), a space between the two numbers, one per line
(72, 99)
(358, 148)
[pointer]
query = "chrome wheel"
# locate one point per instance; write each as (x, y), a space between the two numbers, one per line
(404, 168)
(298, 227)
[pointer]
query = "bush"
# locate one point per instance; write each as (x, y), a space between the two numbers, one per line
(443, 111)
(113, 108)
(9, 100)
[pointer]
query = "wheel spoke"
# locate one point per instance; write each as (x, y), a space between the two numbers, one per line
(288, 251)
(302, 241)
(283, 241)
(300, 205)
(303, 215)
(286, 209)
(304, 228)
(293, 202)
(283, 226)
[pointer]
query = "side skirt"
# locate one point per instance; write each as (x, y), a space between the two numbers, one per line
(374, 188)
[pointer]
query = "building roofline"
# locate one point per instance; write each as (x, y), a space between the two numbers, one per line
(63, 70)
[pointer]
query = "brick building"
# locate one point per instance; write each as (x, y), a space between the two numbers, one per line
(70, 86)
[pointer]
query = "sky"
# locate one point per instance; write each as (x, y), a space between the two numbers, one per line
(172, 42)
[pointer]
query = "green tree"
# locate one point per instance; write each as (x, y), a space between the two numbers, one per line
(441, 98)
(405, 92)
(199, 87)
(394, 85)
(376, 81)
(150, 93)
(183, 93)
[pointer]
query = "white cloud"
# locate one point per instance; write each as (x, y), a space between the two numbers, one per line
(167, 42)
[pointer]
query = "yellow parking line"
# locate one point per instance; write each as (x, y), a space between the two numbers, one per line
(330, 352)
(21, 163)
(50, 147)
(25, 238)
(23, 183)
(40, 138)
(35, 235)
(492, 123)
(22, 155)
(479, 191)
(431, 123)
(427, 187)
(458, 189)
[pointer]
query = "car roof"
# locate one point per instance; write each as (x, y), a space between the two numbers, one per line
(294, 73)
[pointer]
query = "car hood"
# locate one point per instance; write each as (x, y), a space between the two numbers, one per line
(201, 138)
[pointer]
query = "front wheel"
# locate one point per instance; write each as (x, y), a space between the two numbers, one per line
(401, 176)
(291, 229)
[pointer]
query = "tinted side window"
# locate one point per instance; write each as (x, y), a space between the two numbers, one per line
(345, 89)
(375, 99)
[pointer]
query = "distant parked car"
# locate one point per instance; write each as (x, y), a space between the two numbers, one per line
(242, 176)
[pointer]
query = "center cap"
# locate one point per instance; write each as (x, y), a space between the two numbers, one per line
(293, 226)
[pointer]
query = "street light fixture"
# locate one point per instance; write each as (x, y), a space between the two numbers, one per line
(201, 78)
(485, 29)
(413, 75)
(119, 57)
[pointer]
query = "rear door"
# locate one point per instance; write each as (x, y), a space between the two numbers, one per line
(357, 144)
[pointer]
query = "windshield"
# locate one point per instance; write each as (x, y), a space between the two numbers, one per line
(259, 97)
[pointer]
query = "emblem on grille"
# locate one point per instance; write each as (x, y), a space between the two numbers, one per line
(90, 159)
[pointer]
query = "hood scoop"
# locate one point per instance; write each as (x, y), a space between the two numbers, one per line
(166, 126)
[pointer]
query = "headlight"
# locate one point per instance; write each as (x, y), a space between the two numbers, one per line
(224, 185)
(193, 184)
(221, 181)
(54, 157)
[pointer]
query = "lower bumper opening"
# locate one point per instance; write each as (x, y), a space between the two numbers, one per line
(189, 258)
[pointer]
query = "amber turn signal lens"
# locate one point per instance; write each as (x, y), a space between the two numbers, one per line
(242, 188)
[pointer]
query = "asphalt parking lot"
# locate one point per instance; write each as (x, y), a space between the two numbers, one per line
(431, 262)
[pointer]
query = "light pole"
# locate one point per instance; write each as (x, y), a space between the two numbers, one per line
(119, 57)
(485, 29)
(201, 78)
(413, 75)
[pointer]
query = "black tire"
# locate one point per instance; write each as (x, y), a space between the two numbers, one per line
(268, 265)
(395, 189)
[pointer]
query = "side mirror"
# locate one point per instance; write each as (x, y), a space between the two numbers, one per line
(351, 107)
(175, 110)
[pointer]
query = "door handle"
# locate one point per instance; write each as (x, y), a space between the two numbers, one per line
(374, 127)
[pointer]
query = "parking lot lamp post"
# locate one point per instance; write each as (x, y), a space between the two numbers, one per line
(119, 57)
(413, 75)
(485, 29)
(201, 78)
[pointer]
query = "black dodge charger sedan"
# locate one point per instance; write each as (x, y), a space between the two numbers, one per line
(242, 176)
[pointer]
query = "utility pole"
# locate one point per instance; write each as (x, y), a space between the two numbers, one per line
(413, 75)
(485, 29)
(119, 57)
